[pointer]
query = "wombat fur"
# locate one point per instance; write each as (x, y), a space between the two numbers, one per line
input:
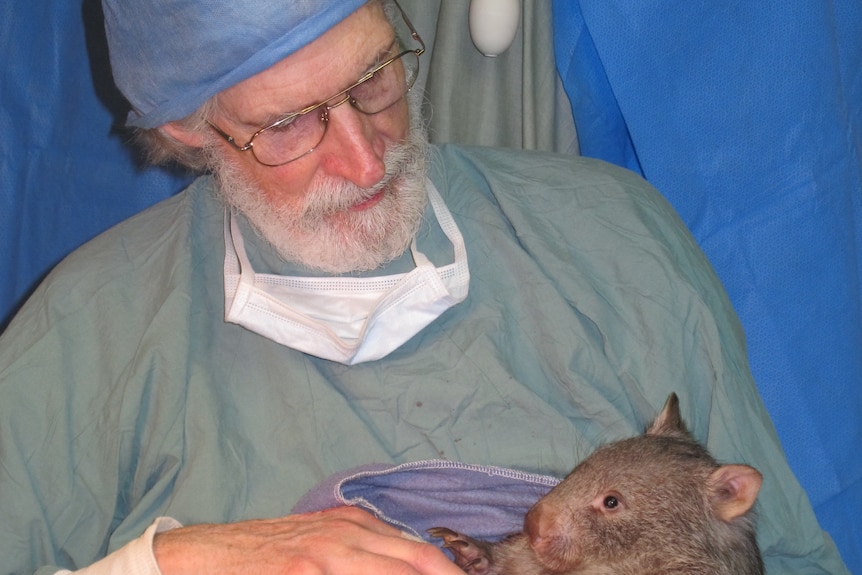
(657, 503)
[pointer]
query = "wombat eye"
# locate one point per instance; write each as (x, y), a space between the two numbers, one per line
(611, 502)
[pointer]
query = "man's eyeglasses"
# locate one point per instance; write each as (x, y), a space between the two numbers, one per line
(299, 133)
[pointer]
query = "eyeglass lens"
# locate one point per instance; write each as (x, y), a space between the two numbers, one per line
(299, 135)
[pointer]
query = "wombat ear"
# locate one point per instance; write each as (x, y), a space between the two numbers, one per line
(732, 489)
(669, 421)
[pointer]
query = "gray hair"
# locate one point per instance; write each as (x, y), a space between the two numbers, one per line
(160, 148)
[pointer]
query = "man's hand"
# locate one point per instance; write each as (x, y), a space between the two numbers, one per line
(340, 541)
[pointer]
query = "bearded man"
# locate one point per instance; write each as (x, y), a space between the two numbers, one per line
(334, 293)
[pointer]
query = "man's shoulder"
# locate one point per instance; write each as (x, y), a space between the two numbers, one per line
(542, 166)
(571, 215)
(153, 229)
(537, 189)
(144, 254)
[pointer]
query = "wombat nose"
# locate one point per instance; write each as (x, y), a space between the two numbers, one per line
(539, 526)
(549, 538)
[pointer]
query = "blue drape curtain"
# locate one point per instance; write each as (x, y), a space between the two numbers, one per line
(66, 172)
(748, 117)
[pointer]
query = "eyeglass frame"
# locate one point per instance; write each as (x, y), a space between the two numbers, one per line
(343, 96)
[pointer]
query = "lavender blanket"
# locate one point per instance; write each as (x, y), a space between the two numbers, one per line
(486, 502)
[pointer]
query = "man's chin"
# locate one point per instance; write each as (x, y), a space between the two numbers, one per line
(361, 238)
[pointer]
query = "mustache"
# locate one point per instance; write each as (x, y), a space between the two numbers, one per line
(328, 197)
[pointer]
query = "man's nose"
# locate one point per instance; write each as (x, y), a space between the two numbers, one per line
(355, 146)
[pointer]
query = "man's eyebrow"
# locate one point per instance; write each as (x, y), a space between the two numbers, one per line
(382, 55)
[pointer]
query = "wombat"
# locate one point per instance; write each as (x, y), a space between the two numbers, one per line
(657, 503)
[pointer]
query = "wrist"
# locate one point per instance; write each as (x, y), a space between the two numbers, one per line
(165, 557)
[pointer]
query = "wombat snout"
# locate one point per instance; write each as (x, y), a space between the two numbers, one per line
(549, 536)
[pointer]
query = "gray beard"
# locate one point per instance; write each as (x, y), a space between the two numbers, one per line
(323, 234)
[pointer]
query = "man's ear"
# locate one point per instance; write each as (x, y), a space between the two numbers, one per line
(183, 135)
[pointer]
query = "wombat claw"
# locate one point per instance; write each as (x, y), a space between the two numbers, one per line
(470, 555)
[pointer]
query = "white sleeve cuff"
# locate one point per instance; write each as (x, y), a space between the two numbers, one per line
(134, 558)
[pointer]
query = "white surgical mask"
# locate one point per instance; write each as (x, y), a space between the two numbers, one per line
(348, 320)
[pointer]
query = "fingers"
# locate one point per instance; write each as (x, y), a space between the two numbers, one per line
(401, 557)
(418, 559)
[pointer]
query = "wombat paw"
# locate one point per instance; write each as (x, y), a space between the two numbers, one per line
(470, 555)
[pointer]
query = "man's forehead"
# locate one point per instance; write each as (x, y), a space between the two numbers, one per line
(314, 73)
(359, 38)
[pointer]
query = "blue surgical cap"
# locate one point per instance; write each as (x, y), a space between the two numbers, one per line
(170, 56)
